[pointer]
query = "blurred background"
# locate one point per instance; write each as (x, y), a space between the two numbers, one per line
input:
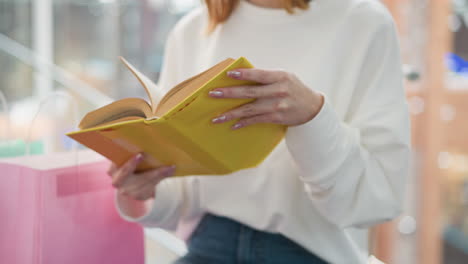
(59, 60)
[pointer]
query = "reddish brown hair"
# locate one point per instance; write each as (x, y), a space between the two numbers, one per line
(220, 10)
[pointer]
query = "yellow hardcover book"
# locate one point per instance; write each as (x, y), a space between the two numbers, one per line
(178, 131)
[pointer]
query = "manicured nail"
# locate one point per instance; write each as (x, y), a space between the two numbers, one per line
(236, 126)
(138, 157)
(234, 74)
(219, 119)
(216, 93)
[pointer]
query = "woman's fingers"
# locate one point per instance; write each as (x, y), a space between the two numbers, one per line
(141, 194)
(153, 177)
(111, 169)
(258, 75)
(244, 92)
(252, 109)
(141, 186)
(278, 90)
(295, 102)
(275, 84)
(275, 118)
(122, 173)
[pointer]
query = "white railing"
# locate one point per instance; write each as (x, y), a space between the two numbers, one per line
(58, 74)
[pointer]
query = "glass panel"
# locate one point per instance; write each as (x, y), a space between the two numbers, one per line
(15, 23)
(86, 39)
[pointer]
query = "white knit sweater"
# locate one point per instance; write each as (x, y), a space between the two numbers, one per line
(331, 178)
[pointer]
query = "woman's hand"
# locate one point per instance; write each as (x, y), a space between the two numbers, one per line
(281, 98)
(139, 186)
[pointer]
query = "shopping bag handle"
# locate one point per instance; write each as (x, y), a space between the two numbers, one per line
(5, 109)
(45, 101)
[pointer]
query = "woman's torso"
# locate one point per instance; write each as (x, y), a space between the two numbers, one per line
(325, 51)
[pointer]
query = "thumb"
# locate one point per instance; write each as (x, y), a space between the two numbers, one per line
(128, 168)
(160, 174)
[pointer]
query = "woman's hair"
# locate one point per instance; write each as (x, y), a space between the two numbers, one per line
(220, 10)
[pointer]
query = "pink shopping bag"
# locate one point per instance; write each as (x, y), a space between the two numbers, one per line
(53, 211)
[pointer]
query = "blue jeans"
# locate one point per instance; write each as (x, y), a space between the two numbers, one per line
(219, 240)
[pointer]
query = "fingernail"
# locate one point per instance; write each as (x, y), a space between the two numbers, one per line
(236, 126)
(138, 157)
(219, 119)
(234, 74)
(216, 93)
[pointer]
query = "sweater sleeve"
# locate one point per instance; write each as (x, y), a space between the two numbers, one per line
(354, 169)
(176, 199)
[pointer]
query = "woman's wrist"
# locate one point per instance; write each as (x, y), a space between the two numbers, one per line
(316, 103)
(133, 208)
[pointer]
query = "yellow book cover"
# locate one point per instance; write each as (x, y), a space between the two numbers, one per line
(178, 131)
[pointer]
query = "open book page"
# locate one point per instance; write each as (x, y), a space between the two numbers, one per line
(181, 91)
(126, 109)
(118, 111)
(135, 108)
(145, 82)
(184, 89)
